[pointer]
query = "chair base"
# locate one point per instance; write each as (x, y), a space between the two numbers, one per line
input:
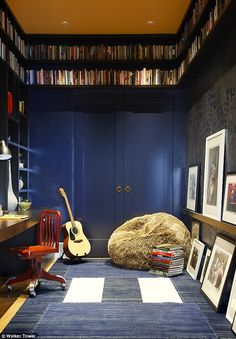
(35, 273)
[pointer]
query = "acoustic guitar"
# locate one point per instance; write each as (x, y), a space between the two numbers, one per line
(75, 242)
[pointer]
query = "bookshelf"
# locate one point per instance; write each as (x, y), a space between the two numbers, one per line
(13, 105)
(18, 141)
(121, 60)
(202, 39)
(126, 60)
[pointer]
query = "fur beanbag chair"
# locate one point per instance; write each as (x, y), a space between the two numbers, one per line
(130, 244)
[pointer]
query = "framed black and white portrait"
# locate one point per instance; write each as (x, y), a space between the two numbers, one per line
(213, 175)
(229, 209)
(215, 279)
(195, 258)
(193, 187)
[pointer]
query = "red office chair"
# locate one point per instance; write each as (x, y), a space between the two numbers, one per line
(48, 242)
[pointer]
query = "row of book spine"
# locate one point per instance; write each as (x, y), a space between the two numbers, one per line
(102, 52)
(10, 58)
(151, 77)
(198, 9)
(8, 27)
(200, 38)
(188, 27)
(15, 66)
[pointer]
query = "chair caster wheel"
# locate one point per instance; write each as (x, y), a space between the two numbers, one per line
(32, 294)
(10, 288)
(63, 286)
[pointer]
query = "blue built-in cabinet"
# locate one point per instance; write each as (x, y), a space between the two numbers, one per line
(118, 154)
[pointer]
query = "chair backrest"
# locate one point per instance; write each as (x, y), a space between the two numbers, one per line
(49, 228)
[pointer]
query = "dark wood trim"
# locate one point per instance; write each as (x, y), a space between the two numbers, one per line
(10, 228)
(221, 225)
(112, 39)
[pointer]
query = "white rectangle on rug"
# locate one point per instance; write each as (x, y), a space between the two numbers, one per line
(158, 290)
(85, 290)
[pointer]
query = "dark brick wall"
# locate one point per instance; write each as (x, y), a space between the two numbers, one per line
(212, 107)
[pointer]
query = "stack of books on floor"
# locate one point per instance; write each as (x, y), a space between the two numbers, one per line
(167, 260)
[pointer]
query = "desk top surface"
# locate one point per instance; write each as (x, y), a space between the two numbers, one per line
(10, 228)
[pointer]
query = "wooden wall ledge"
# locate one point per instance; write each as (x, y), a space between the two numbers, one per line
(221, 225)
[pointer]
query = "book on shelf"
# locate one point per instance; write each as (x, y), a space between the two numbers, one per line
(102, 52)
(144, 77)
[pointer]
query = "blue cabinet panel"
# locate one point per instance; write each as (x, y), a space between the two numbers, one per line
(147, 163)
(97, 177)
(51, 157)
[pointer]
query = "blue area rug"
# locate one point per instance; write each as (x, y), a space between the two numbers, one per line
(124, 320)
(93, 269)
(121, 313)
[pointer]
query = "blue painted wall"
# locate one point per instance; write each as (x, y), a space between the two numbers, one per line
(90, 141)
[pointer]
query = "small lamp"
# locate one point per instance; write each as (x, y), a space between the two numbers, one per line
(5, 153)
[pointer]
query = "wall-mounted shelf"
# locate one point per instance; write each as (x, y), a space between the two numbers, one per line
(221, 225)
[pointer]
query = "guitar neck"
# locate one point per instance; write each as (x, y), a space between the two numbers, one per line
(69, 211)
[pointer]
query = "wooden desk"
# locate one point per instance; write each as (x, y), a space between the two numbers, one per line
(10, 228)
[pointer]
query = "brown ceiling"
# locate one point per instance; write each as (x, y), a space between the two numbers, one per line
(99, 16)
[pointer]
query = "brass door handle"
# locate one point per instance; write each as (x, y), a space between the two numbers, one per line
(118, 189)
(128, 189)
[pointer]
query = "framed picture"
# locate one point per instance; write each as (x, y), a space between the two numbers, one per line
(193, 187)
(229, 209)
(205, 265)
(231, 309)
(195, 230)
(234, 324)
(213, 176)
(195, 258)
(215, 279)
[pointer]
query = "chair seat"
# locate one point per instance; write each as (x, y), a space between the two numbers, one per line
(33, 251)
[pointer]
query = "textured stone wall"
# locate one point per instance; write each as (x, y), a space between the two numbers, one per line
(212, 107)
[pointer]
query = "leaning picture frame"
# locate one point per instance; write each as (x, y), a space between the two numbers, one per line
(214, 283)
(195, 258)
(193, 187)
(213, 175)
(231, 308)
(195, 230)
(234, 324)
(229, 207)
(205, 264)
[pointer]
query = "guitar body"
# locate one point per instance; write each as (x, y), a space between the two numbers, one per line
(75, 243)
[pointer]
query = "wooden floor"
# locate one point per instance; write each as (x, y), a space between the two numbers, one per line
(8, 298)
(11, 301)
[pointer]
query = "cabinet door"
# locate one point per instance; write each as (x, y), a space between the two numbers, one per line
(95, 177)
(147, 163)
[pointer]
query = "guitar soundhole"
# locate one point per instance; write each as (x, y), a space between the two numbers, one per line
(75, 230)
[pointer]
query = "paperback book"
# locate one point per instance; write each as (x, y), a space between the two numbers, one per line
(167, 260)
